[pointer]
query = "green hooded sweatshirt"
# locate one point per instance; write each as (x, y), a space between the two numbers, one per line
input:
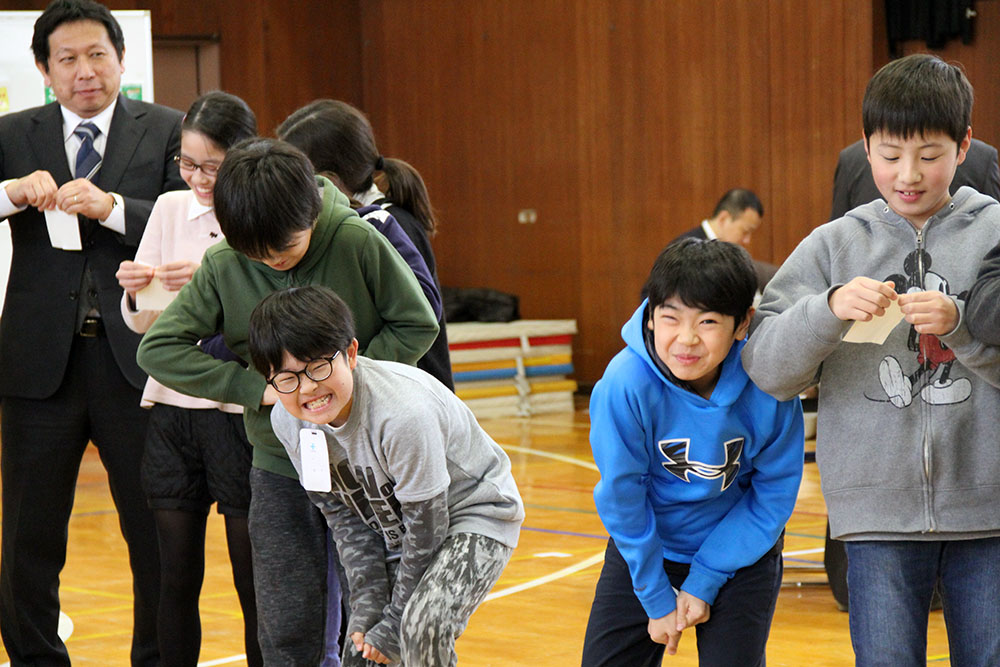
(392, 318)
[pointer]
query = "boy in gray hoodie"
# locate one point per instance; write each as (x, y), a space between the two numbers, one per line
(906, 433)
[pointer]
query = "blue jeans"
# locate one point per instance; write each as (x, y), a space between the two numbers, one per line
(734, 636)
(890, 585)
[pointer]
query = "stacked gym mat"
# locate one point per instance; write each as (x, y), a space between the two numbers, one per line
(503, 369)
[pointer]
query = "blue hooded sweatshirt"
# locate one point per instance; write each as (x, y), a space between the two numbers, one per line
(710, 482)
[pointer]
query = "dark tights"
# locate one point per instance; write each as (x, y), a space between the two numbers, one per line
(182, 559)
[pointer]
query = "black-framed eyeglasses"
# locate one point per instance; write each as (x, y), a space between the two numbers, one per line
(317, 370)
(187, 164)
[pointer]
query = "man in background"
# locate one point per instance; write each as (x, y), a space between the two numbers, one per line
(737, 215)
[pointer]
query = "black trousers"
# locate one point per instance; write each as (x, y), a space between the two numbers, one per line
(734, 636)
(835, 562)
(43, 442)
(297, 623)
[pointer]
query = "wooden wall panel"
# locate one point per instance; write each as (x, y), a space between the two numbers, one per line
(621, 123)
(275, 55)
(603, 263)
(819, 65)
(481, 98)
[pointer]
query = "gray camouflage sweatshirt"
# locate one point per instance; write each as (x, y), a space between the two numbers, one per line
(410, 467)
(907, 441)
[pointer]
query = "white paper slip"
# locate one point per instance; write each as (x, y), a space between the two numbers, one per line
(877, 329)
(64, 232)
(315, 461)
(154, 296)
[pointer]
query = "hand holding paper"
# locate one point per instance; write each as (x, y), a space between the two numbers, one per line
(175, 275)
(930, 312)
(862, 298)
(133, 276)
(80, 196)
(872, 304)
(877, 329)
(140, 280)
(37, 189)
(154, 296)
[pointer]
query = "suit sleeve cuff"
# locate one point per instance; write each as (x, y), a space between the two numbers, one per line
(116, 221)
(7, 208)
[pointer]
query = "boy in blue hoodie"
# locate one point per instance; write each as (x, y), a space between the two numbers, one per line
(699, 471)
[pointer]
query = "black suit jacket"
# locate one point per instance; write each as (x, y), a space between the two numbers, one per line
(40, 310)
(853, 184)
(696, 233)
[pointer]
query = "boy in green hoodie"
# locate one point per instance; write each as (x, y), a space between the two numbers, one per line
(283, 227)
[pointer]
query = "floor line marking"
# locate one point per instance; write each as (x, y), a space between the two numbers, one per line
(565, 572)
(802, 552)
(550, 455)
(223, 661)
(556, 508)
(808, 536)
(563, 532)
(800, 564)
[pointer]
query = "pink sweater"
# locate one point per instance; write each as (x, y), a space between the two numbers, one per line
(179, 228)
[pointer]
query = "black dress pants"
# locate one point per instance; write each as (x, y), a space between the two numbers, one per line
(734, 636)
(41, 447)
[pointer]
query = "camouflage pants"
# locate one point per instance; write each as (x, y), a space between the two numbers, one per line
(461, 574)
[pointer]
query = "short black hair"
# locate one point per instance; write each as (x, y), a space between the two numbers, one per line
(917, 94)
(738, 200)
(223, 118)
(307, 322)
(265, 194)
(714, 276)
(337, 137)
(68, 11)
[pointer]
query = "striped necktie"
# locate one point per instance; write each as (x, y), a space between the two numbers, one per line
(88, 160)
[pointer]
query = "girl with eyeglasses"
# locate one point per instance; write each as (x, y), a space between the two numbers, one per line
(197, 452)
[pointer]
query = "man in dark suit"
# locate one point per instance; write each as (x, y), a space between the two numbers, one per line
(853, 184)
(67, 361)
(737, 215)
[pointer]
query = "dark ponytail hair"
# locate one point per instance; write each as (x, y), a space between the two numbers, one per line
(223, 118)
(404, 187)
(336, 137)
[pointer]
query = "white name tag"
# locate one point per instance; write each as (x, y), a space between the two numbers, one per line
(315, 460)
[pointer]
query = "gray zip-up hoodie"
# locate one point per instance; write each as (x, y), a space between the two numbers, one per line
(908, 444)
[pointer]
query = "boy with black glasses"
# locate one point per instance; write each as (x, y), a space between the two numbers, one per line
(421, 501)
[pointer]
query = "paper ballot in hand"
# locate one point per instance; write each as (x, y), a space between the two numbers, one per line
(64, 232)
(153, 296)
(877, 329)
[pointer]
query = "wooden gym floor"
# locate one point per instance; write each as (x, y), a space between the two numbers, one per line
(538, 612)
